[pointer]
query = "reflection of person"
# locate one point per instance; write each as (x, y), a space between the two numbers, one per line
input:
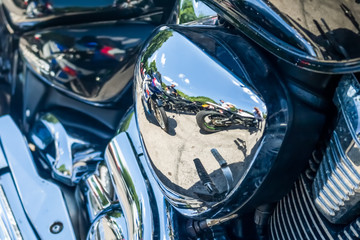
(226, 105)
(171, 90)
(258, 116)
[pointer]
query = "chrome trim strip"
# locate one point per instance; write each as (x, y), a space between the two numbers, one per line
(166, 218)
(12, 197)
(8, 226)
(3, 163)
(42, 200)
(165, 210)
(130, 188)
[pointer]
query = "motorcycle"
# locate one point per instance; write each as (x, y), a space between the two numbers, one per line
(220, 118)
(81, 84)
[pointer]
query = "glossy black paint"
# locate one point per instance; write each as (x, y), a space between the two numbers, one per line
(94, 63)
(25, 15)
(316, 35)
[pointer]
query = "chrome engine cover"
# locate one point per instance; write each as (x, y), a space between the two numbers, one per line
(215, 164)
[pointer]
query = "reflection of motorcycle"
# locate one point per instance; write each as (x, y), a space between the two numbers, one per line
(219, 118)
(177, 103)
(153, 101)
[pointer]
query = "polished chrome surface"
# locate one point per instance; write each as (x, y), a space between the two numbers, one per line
(217, 120)
(296, 217)
(192, 11)
(43, 200)
(313, 34)
(97, 191)
(69, 157)
(165, 218)
(14, 218)
(14, 222)
(3, 162)
(337, 183)
(130, 188)
(8, 226)
(93, 62)
(111, 225)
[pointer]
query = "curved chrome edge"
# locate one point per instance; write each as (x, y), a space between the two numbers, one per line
(165, 213)
(109, 225)
(96, 192)
(73, 157)
(42, 200)
(130, 188)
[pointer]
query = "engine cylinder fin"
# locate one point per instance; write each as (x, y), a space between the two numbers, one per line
(345, 161)
(337, 183)
(324, 172)
(296, 217)
(352, 231)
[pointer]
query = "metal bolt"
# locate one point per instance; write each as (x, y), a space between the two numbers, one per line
(27, 113)
(56, 227)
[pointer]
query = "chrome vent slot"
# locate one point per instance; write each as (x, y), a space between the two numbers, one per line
(336, 187)
(296, 217)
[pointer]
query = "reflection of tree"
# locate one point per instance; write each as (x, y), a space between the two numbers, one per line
(131, 188)
(51, 118)
(126, 123)
(116, 214)
(155, 44)
(153, 67)
(200, 99)
(63, 170)
(103, 199)
(187, 13)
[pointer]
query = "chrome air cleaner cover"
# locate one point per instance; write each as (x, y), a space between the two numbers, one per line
(212, 117)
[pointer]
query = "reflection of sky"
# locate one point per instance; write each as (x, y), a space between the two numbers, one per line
(197, 75)
(201, 9)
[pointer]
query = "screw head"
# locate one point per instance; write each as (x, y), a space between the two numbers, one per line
(56, 227)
